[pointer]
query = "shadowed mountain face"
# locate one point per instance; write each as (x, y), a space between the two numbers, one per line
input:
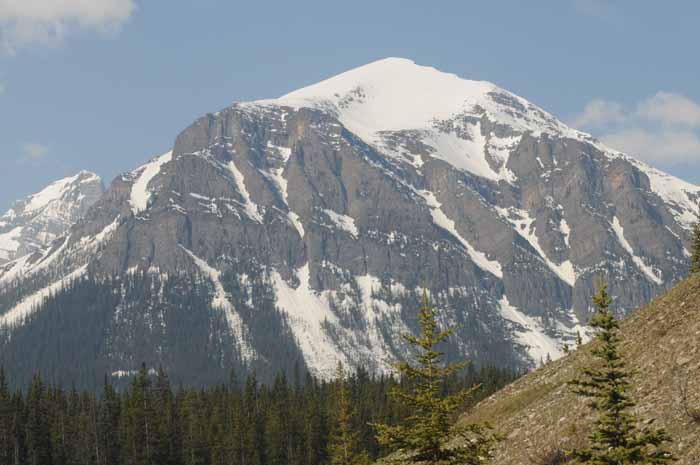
(333, 207)
(539, 414)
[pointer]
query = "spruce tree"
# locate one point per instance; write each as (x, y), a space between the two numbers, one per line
(344, 447)
(424, 436)
(6, 448)
(37, 427)
(695, 255)
(615, 439)
(109, 414)
(277, 429)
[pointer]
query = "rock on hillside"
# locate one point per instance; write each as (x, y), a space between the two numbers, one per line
(661, 341)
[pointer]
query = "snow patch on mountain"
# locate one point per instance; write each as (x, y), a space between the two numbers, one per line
(378, 316)
(461, 152)
(565, 231)
(220, 301)
(342, 222)
(308, 312)
(56, 191)
(681, 196)
(140, 193)
(276, 176)
(14, 270)
(90, 242)
(440, 219)
(251, 208)
(295, 220)
(17, 314)
(650, 273)
(530, 333)
(524, 225)
(9, 242)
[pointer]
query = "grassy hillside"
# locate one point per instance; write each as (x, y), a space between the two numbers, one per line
(539, 416)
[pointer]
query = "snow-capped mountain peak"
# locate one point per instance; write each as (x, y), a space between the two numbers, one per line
(34, 222)
(394, 96)
(397, 97)
(325, 213)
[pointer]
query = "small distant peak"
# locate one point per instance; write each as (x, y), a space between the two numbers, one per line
(393, 61)
(86, 175)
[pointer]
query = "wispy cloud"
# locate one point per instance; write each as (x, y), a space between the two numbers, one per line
(41, 22)
(670, 109)
(596, 8)
(663, 128)
(599, 113)
(34, 153)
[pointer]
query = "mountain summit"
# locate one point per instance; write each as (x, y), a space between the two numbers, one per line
(303, 230)
(33, 223)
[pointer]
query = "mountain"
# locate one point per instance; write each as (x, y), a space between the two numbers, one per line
(36, 221)
(302, 231)
(539, 415)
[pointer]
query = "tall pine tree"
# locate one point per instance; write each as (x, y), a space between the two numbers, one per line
(425, 434)
(109, 424)
(6, 443)
(344, 447)
(695, 256)
(37, 429)
(616, 438)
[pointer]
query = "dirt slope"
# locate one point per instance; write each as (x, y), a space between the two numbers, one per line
(538, 414)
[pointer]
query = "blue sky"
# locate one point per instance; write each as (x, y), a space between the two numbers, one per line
(106, 84)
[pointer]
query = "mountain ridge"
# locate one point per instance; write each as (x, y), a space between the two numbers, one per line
(320, 206)
(34, 222)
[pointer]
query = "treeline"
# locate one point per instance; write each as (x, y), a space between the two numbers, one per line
(240, 422)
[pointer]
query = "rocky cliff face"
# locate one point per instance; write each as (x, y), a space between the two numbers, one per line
(338, 204)
(33, 223)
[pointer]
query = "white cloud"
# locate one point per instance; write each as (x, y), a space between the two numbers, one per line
(670, 147)
(599, 113)
(596, 8)
(662, 129)
(46, 22)
(33, 152)
(670, 109)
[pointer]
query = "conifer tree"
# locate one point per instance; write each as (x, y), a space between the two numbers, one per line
(109, 424)
(162, 432)
(37, 429)
(194, 431)
(277, 430)
(140, 429)
(315, 423)
(695, 255)
(616, 438)
(344, 448)
(424, 435)
(5, 420)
